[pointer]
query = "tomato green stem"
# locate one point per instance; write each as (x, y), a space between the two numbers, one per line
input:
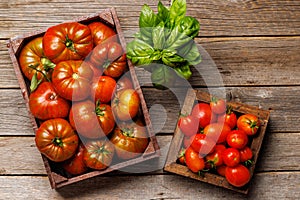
(35, 68)
(70, 44)
(57, 142)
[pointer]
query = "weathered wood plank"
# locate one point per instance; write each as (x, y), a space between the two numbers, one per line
(164, 108)
(22, 157)
(264, 186)
(217, 18)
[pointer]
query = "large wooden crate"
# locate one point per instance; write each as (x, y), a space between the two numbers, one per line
(172, 165)
(55, 172)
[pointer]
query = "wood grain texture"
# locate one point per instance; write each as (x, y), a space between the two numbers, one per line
(264, 186)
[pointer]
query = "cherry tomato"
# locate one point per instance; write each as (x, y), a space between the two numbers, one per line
(202, 144)
(220, 147)
(103, 89)
(231, 157)
(188, 125)
(217, 106)
(229, 118)
(237, 139)
(76, 165)
(214, 159)
(221, 170)
(181, 158)
(237, 176)
(187, 141)
(193, 161)
(203, 112)
(217, 131)
(246, 154)
(248, 123)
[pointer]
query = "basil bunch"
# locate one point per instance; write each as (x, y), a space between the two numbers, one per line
(166, 38)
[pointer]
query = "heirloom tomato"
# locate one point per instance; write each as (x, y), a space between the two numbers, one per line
(67, 41)
(130, 139)
(218, 106)
(72, 79)
(90, 120)
(203, 144)
(33, 61)
(124, 83)
(237, 139)
(193, 161)
(237, 176)
(231, 157)
(203, 112)
(125, 104)
(229, 117)
(117, 67)
(248, 123)
(101, 32)
(56, 139)
(98, 154)
(75, 165)
(45, 103)
(103, 89)
(217, 131)
(188, 125)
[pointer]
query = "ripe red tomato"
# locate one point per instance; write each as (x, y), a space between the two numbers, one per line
(125, 104)
(45, 103)
(103, 89)
(130, 139)
(91, 121)
(202, 144)
(117, 67)
(231, 157)
(203, 112)
(237, 139)
(214, 159)
(246, 154)
(237, 176)
(72, 79)
(220, 147)
(221, 170)
(181, 158)
(188, 125)
(218, 106)
(124, 83)
(229, 118)
(98, 154)
(56, 139)
(248, 123)
(193, 161)
(67, 41)
(101, 32)
(217, 131)
(76, 165)
(32, 58)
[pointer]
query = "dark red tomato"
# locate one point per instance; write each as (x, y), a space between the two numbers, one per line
(124, 83)
(193, 161)
(45, 103)
(217, 131)
(203, 112)
(117, 67)
(220, 147)
(130, 139)
(67, 41)
(103, 89)
(76, 165)
(229, 118)
(214, 159)
(84, 118)
(98, 154)
(246, 154)
(237, 176)
(202, 144)
(72, 79)
(101, 32)
(56, 139)
(125, 104)
(188, 125)
(32, 60)
(105, 54)
(237, 139)
(248, 123)
(221, 170)
(218, 106)
(231, 157)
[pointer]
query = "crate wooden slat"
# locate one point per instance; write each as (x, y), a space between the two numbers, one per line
(172, 166)
(57, 180)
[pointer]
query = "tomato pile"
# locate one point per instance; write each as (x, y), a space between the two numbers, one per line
(85, 103)
(217, 139)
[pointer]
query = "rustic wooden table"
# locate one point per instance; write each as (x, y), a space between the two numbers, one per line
(256, 47)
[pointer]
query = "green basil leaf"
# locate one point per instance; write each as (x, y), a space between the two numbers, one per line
(184, 71)
(189, 26)
(176, 39)
(158, 36)
(171, 59)
(177, 12)
(190, 53)
(163, 12)
(139, 52)
(147, 20)
(162, 76)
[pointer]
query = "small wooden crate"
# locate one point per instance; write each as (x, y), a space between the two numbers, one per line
(57, 179)
(192, 97)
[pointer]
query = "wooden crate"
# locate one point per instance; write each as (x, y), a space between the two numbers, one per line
(193, 97)
(55, 174)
